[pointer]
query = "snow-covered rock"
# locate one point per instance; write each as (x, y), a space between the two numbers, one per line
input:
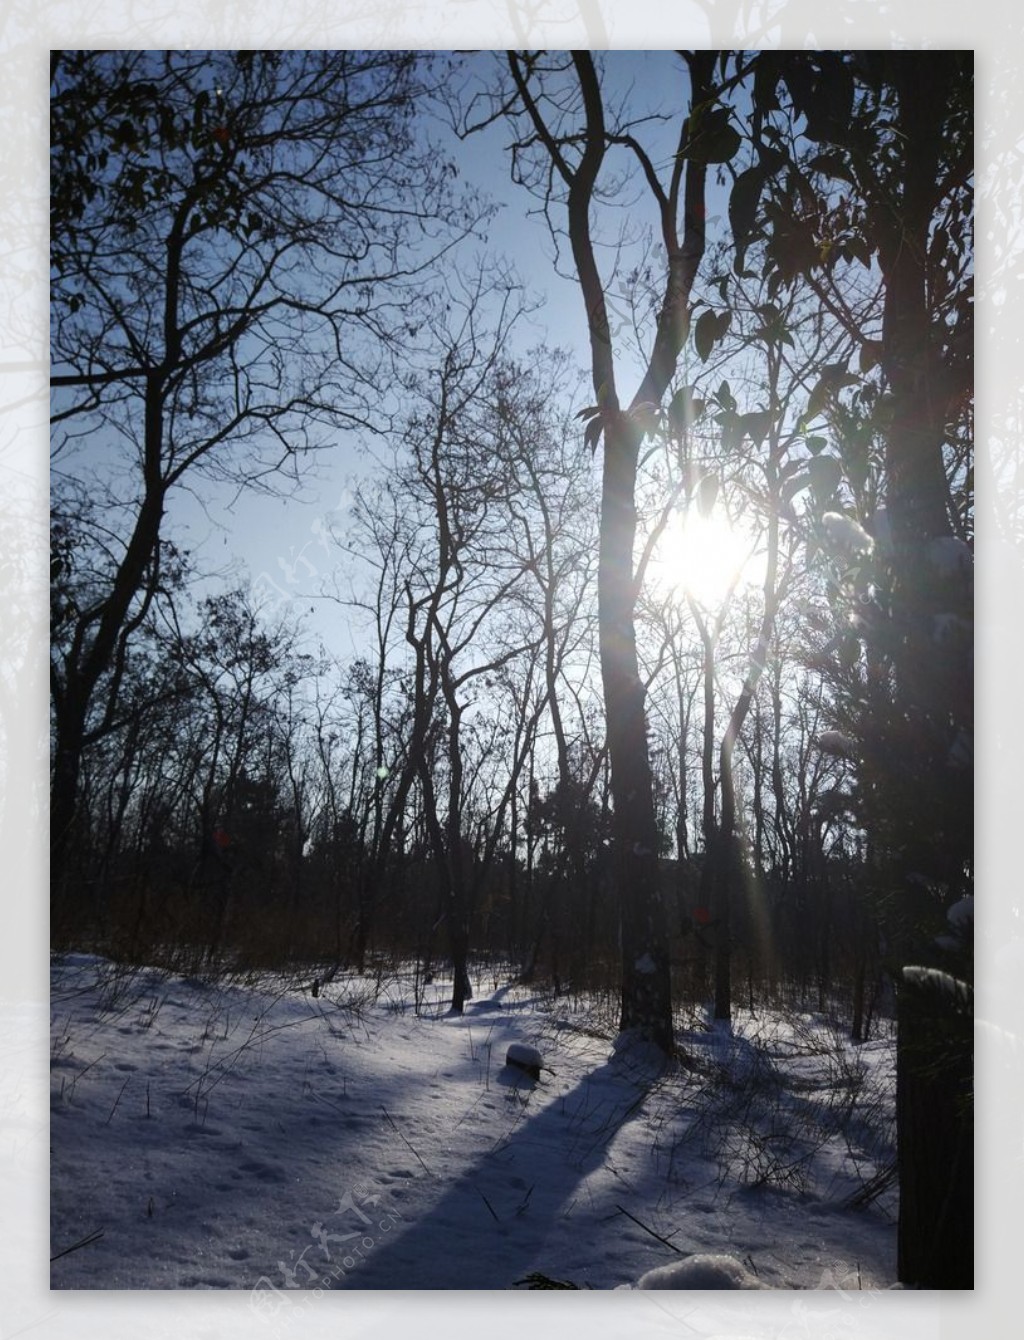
(701, 1272)
(525, 1058)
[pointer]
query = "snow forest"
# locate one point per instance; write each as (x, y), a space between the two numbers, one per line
(512, 548)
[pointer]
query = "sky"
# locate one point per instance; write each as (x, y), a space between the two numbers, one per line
(281, 543)
(997, 32)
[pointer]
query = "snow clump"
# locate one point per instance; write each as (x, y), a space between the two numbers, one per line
(525, 1058)
(700, 1272)
(835, 742)
(846, 534)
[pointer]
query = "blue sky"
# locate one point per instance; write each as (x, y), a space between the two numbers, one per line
(280, 543)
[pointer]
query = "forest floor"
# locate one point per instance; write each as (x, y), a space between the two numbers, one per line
(247, 1135)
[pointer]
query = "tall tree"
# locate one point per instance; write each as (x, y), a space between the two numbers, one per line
(568, 133)
(879, 182)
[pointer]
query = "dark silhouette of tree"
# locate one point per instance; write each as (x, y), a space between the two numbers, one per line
(567, 131)
(224, 227)
(882, 176)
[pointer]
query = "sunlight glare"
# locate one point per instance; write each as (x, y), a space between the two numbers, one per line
(702, 556)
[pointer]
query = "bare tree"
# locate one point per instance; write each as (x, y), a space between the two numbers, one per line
(567, 132)
(238, 239)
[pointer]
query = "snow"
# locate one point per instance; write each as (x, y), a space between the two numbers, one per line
(701, 1272)
(528, 1058)
(835, 742)
(247, 1136)
(846, 534)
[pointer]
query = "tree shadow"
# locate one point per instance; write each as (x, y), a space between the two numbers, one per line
(511, 1201)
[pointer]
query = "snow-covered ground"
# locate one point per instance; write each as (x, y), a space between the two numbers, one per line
(253, 1136)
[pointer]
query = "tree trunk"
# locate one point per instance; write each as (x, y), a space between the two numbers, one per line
(934, 1123)
(935, 1247)
(646, 982)
(68, 748)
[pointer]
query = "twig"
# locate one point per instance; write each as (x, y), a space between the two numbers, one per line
(85, 1242)
(387, 1116)
(539, 1281)
(488, 1204)
(872, 1189)
(650, 1230)
(521, 1209)
(117, 1100)
(85, 1071)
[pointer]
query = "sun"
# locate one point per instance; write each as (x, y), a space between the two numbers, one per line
(703, 557)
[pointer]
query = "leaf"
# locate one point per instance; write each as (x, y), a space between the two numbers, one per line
(755, 425)
(792, 248)
(824, 473)
(833, 378)
(712, 138)
(794, 486)
(593, 433)
(691, 477)
(832, 165)
(711, 326)
(684, 410)
(815, 444)
(732, 433)
(588, 412)
(854, 449)
(704, 334)
(743, 202)
(646, 416)
(766, 78)
(857, 248)
(824, 95)
(870, 354)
